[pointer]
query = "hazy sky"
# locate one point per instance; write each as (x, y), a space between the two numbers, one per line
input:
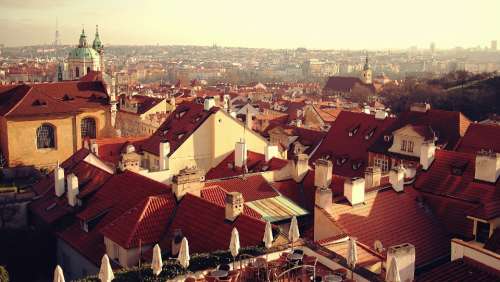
(325, 24)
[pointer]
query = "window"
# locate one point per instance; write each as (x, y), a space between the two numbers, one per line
(410, 146)
(382, 163)
(88, 128)
(403, 146)
(77, 72)
(45, 137)
(407, 146)
(116, 251)
(482, 232)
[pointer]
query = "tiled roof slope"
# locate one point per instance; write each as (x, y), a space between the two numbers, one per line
(253, 187)
(448, 127)
(146, 222)
(51, 208)
(255, 163)
(480, 137)
(110, 149)
(493, 243)
(460, 270)
(217, 195)
(394, 218)
(117, 196)
(52, 98)
(180, 124)
(345, 83)
(145, 103)
(204, 225)
(440, 180)
(338, 145)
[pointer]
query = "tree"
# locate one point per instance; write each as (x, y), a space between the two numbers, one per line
(4, 275)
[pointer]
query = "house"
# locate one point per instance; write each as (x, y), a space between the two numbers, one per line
(294, 140)
(43, 124)
(195, 135)
(416, 134)
(480, 137)
(340, 85)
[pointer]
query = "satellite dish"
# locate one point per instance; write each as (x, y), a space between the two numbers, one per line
(377, 245)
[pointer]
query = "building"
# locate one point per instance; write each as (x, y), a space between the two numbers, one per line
(85, 58)
(43, 124)
(344, 85)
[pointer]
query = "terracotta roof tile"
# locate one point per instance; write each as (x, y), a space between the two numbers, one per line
(253, 187)
(217, 195)
(480, 137)
(460, 270)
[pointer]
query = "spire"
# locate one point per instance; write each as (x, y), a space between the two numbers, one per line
(367, 65)
(97, 44)
(83, 39)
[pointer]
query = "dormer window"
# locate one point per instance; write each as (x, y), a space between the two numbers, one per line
(387, 138)
(342, 160)
(180, 114)
(370, 133)
(39, 102)
(180, 135)
(67, 97)
(353, 130)
(357, 164)
(458, 168)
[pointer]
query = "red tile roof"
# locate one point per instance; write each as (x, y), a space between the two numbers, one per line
(440, 181)
(144, 103)
(255, 163)
(480, 137)
(493, 243)
(460, 270)
(349, 154)
(52, 98)
(146, 222)
(217, 195)
(110, 149)
(394, 218)
(181, 123)
(345, 84)
(204, 225)
(253, 187)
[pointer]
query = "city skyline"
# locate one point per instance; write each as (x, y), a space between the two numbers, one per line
(317, 25)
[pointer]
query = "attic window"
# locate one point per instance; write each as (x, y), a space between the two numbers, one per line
(39, 102)
(326, 156)
(353, 130)
(165, 131)
(342, 160)
(67, 97)
(180, 135)
(357, 164)
(387, 138)
(180, 114)
(370, 133)
(458, 168)
(197, 118)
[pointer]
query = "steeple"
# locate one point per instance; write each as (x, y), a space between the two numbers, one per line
(97, 44)
(367, 65)
(83, 39)
(366, 74)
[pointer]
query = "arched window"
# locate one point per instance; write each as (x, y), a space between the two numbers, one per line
(88, 128)
(88, 70)
(45, 136)
(77, 72)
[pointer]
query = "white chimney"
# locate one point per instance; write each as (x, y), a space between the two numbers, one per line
(208, 103)
(487, 166)
(271, 152)
(240, 153)
(249, 120)
(189, 180)
(164, 151)
(234, 205)
(405, 258)
(59, 180)
(323, 198)
(72, 183)
(94, 147)
(427, 153)
(298, 122)
(172, 104)
(354, 190)
(372, 176)
(397, 178)
(300, 167)
(323, 173)
(380, 114)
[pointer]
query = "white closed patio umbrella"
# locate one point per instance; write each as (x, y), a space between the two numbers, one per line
(106, 272)
(268, 236)
(352, 255)
(392, 274)
(293, 233)
(157, 262)
(58, 274)
(234, 244)
(183, 257)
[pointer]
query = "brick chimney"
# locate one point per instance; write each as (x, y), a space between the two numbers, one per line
(164, 151)
(234, 205)
(487, 166)
(397, 178)
(372, 176)
(323, 198)
(354, 190)
(240, 153)
(72, 183)
(405, 258)
(189, 180)
(59, 180)
(323, 173)
(427, 153)
(271, 152)
(300, 167)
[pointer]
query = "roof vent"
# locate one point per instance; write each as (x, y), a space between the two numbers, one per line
(39, 102)
(67, 97)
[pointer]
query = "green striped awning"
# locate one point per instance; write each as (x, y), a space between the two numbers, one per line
(277, 208)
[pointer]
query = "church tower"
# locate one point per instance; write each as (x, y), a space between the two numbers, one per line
(97, 45)
(366, 74)
(83, 59)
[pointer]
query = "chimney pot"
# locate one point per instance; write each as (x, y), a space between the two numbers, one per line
(427, 153)
(323, 173)
(240, 153)
(487, 166)
(323, 197)
(209, 103)
(59, 180)
(300, 167)
(234, 205)
(189, 180)
(354, 190)
(164, 151)
(405, 258)
(397, 178)
(372, 176)
(72, 182)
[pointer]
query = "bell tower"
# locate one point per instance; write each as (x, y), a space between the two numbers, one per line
(366, 74)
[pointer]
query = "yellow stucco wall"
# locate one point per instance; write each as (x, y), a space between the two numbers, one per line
(21, 138)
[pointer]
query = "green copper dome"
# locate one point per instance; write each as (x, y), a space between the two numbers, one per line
(81, 53)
